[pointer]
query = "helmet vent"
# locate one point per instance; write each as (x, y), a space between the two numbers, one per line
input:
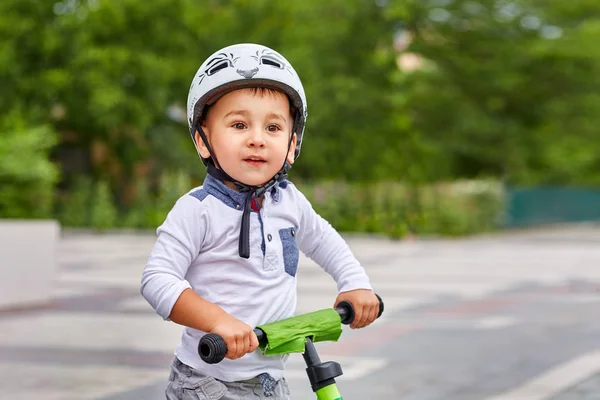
(221, 65)
(270, 61)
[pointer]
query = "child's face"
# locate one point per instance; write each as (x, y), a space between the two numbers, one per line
(249, 133)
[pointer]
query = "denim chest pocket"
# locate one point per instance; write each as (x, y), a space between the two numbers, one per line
(290, 250)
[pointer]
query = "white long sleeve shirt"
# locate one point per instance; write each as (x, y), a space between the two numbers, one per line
(197, 248)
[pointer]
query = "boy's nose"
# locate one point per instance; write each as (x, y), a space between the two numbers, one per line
(256, 138)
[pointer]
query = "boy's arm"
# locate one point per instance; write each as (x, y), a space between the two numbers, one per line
(194, 311)
(324, 245)
(164, 285)
(178, 243)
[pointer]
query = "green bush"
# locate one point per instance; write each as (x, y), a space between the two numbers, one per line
(135, 217)
(104, 212)
(27, 176)
(91, 204)
(389, 208)
(151, 210)
(173, 185)
(394, 209)
(76, 205)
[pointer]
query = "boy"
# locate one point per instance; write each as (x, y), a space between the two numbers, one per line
(225, 258)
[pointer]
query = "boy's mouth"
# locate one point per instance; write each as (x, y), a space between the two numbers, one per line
(255, 160)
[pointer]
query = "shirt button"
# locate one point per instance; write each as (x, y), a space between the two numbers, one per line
(269, 237)
(237, 206)
(293, 232)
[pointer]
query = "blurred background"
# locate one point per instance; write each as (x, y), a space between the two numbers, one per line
(438, 116)
(427, 119)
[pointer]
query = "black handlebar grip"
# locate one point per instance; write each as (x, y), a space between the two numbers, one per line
(347, 311)
(380, 305)
(212, 348)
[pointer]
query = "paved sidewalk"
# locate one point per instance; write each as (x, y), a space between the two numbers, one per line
(476, 318)
(588, 389)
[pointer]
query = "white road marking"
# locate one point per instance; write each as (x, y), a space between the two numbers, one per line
(498, 322)
(21, 381)
(555, 380)
(89, 331)
(352, 367)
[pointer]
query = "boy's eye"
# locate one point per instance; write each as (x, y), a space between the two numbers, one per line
(238, 125)
(273, 128)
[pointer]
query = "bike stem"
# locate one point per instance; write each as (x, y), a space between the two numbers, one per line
(321, 374)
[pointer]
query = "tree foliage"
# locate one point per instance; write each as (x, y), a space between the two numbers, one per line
(505, 89)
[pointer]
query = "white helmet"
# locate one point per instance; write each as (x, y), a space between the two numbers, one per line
(241, 66)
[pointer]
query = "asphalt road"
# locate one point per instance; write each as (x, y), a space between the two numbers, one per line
(499, 317)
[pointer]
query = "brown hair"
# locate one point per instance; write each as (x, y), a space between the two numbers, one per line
(255, 91)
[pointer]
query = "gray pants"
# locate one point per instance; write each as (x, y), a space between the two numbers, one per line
(186, 383)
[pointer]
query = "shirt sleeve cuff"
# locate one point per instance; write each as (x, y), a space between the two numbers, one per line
(355, 284)
(166, 306)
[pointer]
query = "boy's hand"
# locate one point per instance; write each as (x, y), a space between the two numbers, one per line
(365, 303)
(238, 336)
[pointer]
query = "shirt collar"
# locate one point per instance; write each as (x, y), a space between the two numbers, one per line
(232, 198)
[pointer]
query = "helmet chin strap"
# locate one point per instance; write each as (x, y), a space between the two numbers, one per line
(216, 171)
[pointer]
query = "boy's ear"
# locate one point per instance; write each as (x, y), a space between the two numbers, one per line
(200, 145)
(292, 152)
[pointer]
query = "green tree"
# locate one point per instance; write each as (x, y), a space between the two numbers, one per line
(507, 88)
(27, 177)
